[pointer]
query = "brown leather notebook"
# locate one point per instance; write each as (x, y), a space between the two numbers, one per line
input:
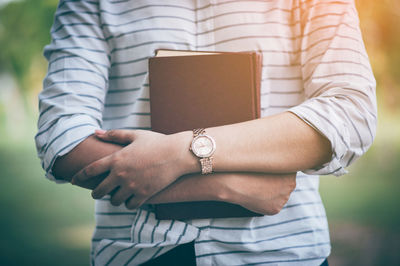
(190, 89)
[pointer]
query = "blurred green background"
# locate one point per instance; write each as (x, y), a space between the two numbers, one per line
(45, 224)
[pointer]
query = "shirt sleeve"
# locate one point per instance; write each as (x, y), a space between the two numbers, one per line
(338, 82)
(74, 88)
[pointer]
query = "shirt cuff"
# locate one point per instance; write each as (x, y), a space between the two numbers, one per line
(65, 135)
(324, 127)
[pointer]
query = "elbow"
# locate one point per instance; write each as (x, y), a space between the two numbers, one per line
(277, 204)
(273, 211)
(276, 207)
(368, 126)
(374, 122)
(361, 114)
(62, 170)
(372, 127)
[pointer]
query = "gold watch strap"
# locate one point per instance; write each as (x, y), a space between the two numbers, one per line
(206, 163)
(198, 131)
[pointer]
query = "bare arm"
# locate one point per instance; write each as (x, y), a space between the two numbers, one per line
(151, 161)
(254, 191)
(261, 193)
(281, 143)
(88, 151)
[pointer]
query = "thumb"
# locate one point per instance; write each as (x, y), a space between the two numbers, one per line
(119, 136)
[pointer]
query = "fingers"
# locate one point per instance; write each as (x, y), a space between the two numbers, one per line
(117, 136)
(92, 182)
(94, 169)
(105, 187)
(121, 195)
(134, 202)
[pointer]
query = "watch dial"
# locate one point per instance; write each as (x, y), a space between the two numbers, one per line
(203, 146)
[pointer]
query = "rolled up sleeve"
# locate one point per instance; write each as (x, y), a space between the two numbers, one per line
(71, 102)
(338, 82)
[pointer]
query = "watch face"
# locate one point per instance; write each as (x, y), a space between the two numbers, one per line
(203, 146)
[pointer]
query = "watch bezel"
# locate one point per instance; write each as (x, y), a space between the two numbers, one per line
(214, 146)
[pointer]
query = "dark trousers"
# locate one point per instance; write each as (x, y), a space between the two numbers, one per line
(182, 255)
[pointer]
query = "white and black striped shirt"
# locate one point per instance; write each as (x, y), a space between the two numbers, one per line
(314, 65)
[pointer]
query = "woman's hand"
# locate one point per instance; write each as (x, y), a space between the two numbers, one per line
(147, 164)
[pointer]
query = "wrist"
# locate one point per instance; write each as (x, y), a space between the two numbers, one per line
(220, 189)
(187, 161)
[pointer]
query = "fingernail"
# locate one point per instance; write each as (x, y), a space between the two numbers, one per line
(100, 132)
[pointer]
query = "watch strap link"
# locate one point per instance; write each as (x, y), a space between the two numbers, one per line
(198, 131)
(206, 163)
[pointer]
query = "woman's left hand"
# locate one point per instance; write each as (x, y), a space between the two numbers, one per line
(148, 163)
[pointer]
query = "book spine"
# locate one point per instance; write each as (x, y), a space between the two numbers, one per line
(257, 71)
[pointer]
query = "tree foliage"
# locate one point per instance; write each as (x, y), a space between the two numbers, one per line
(24, 30)
(380, 27)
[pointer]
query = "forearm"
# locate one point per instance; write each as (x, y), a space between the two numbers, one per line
(187, 188)
(191, 188)
(88, 151)
(281, 143)
(247, 189)
(262, 193)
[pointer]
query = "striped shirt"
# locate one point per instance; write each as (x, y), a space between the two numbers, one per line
(314, 65)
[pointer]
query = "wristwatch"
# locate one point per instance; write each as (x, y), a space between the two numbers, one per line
(203, 146)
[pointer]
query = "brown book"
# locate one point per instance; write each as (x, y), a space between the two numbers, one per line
(190, 89)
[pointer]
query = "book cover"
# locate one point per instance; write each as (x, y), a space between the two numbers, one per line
(190, 89)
